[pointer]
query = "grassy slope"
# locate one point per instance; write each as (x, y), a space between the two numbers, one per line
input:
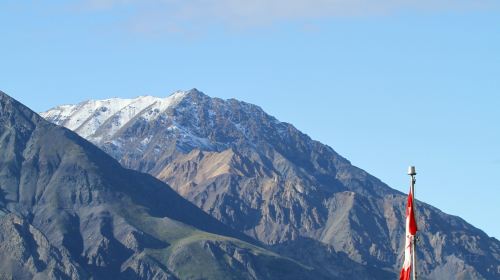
(189, 255)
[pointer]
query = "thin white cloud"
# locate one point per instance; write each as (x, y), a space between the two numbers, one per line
(175, 15)
(104, 4)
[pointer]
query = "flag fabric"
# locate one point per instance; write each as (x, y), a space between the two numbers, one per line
(411, 230)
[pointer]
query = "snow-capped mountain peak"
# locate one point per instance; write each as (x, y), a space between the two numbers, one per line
(267, 179)
(87, 117)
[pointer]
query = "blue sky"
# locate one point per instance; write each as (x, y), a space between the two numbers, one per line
(386, 85)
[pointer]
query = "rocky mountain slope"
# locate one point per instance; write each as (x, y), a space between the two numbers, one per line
(70, 211)
(264, 178)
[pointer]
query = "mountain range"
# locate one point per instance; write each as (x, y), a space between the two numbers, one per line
(70, 211)
(265, 180)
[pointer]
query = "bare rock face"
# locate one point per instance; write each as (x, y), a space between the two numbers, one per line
(70, 211)
(266, 179)
(27, 254)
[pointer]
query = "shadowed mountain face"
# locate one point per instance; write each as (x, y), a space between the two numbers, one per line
(268, 180)
(70, 211)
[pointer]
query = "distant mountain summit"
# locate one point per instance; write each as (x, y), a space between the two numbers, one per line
(97, 119)
(266, 179)
(70, 211)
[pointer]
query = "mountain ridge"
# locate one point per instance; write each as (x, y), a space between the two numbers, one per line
(270, 181)
(70, 211)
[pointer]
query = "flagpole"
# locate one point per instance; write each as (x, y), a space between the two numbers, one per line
(412, 173)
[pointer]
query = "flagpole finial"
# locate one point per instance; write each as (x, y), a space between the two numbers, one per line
(411, 171)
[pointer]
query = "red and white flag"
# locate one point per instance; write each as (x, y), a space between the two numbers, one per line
(411, 229)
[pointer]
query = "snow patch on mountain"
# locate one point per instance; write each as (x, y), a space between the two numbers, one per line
(109, 115)
(161, 105)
